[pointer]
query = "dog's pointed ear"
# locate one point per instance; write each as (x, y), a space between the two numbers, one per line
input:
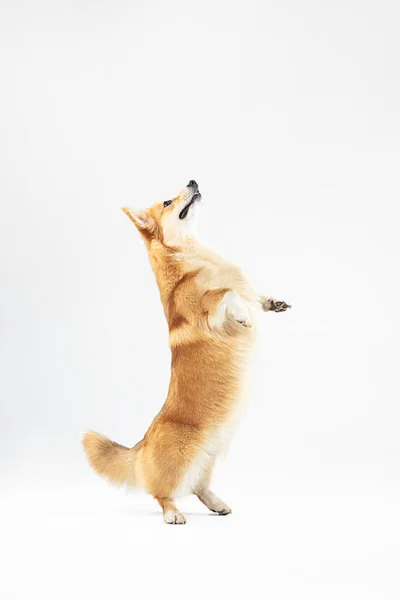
(141, 218)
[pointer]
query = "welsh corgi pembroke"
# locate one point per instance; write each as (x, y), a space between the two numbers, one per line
(209, 306)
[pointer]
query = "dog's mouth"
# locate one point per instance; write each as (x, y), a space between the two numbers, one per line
(184, 212)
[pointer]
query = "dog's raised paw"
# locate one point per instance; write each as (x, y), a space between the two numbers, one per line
(274, 305)
(238, 309)
(279, 306)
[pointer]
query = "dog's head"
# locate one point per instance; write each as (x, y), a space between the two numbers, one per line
(171, 221)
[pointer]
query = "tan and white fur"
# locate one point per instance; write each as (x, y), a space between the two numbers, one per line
(209, 306)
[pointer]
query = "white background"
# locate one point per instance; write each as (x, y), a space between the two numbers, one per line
(287, 114)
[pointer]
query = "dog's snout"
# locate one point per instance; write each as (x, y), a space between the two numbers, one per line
(192, 183)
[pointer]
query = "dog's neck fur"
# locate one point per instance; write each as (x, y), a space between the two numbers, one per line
(170, 264)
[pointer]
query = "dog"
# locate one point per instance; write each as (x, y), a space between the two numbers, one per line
(209, 306)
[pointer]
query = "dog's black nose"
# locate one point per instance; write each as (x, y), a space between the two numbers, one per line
(192, 183)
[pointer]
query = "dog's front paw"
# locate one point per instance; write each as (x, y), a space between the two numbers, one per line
(279, 306)
(274, 305)
(237, 308)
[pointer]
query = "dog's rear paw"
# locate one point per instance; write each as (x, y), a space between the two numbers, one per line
(174, 517)
(222, 509)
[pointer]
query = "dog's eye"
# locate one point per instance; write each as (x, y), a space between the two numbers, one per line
(167, 203)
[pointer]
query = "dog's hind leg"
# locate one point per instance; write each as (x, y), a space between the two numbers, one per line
(213, 503)
(208, 498)
(172, 515)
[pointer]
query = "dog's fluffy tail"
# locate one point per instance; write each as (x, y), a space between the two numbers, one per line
(110, 460)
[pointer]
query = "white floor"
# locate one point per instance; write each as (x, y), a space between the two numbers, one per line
(284, 540)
